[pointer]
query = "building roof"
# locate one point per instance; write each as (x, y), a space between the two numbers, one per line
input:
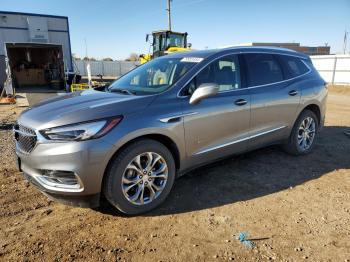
(31, 14)
(165, 31)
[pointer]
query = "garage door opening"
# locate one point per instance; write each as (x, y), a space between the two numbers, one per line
(36, 67)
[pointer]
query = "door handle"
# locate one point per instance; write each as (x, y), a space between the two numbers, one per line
(293, 93)
(241, 102)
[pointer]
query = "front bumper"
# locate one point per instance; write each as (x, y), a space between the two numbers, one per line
(88, 201)
(87, 160)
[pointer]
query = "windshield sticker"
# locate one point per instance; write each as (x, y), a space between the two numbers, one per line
(192, 59)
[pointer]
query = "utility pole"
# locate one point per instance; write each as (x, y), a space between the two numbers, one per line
(345, 41)
(169, 15)
(86, 49)
(88, 66)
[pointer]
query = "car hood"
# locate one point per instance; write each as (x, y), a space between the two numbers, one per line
(81, 106)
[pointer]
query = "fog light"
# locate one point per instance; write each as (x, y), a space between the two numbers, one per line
(60, 178)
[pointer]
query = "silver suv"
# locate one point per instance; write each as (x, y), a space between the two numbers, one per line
(130, 141)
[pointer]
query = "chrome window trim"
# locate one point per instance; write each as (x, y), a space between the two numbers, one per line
(238, 141)
(250, 87)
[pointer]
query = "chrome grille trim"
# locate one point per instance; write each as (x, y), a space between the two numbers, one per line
(25, 138)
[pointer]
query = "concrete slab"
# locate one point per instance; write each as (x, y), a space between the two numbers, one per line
(21, 100)
(34, 98)
(38, 89)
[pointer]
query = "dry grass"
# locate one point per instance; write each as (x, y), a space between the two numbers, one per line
(342, 89)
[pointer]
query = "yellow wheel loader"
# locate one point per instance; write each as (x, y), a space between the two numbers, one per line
(165, 42)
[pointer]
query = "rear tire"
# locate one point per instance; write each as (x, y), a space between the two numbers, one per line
(304, 134)
(140, 177)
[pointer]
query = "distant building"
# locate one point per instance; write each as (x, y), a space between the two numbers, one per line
(37, 47)
(309, 50)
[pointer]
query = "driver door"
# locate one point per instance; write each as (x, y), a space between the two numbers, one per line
(217, 126)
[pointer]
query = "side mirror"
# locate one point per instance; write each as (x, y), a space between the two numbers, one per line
(147, 37)
(204, 91)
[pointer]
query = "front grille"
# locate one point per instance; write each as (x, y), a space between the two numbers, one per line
(25, 137)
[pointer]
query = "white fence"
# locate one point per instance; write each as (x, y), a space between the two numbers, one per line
(105, 68)
(334, 69)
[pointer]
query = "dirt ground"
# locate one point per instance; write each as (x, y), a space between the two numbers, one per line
(294, 209)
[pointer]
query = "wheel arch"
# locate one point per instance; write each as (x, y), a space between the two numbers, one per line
(315, 109)
(161, 138)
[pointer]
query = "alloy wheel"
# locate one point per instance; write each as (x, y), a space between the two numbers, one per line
(144, 178)
(306, 133)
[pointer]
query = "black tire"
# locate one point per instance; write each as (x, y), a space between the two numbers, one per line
(292, 146)
(112, 188)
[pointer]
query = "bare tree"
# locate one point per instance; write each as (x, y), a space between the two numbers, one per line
(76, 57)
(107, 59)
(89, 58)
(133, 57)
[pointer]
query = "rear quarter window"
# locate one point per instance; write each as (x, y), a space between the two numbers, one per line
(293, 66)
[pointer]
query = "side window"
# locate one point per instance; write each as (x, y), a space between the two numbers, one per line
(156, 44)
(224, 72)
(262, 69)
(294, 66)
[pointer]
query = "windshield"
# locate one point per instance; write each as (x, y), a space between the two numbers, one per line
(152, 77)
(165, 41)
(174, 40)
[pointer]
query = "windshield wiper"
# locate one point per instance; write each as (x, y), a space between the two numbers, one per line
(122, 91)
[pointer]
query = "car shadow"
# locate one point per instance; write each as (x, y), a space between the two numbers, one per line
(251, 175)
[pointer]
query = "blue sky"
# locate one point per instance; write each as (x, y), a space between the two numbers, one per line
(116, 28)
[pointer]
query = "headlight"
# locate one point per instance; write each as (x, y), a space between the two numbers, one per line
(81, 131)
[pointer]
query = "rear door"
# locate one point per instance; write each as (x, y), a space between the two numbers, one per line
(275, 97)
(218, 126)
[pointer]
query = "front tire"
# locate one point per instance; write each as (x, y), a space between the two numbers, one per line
(140, 177)
(303, 135)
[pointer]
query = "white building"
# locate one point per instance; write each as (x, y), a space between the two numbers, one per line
(38, 48)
